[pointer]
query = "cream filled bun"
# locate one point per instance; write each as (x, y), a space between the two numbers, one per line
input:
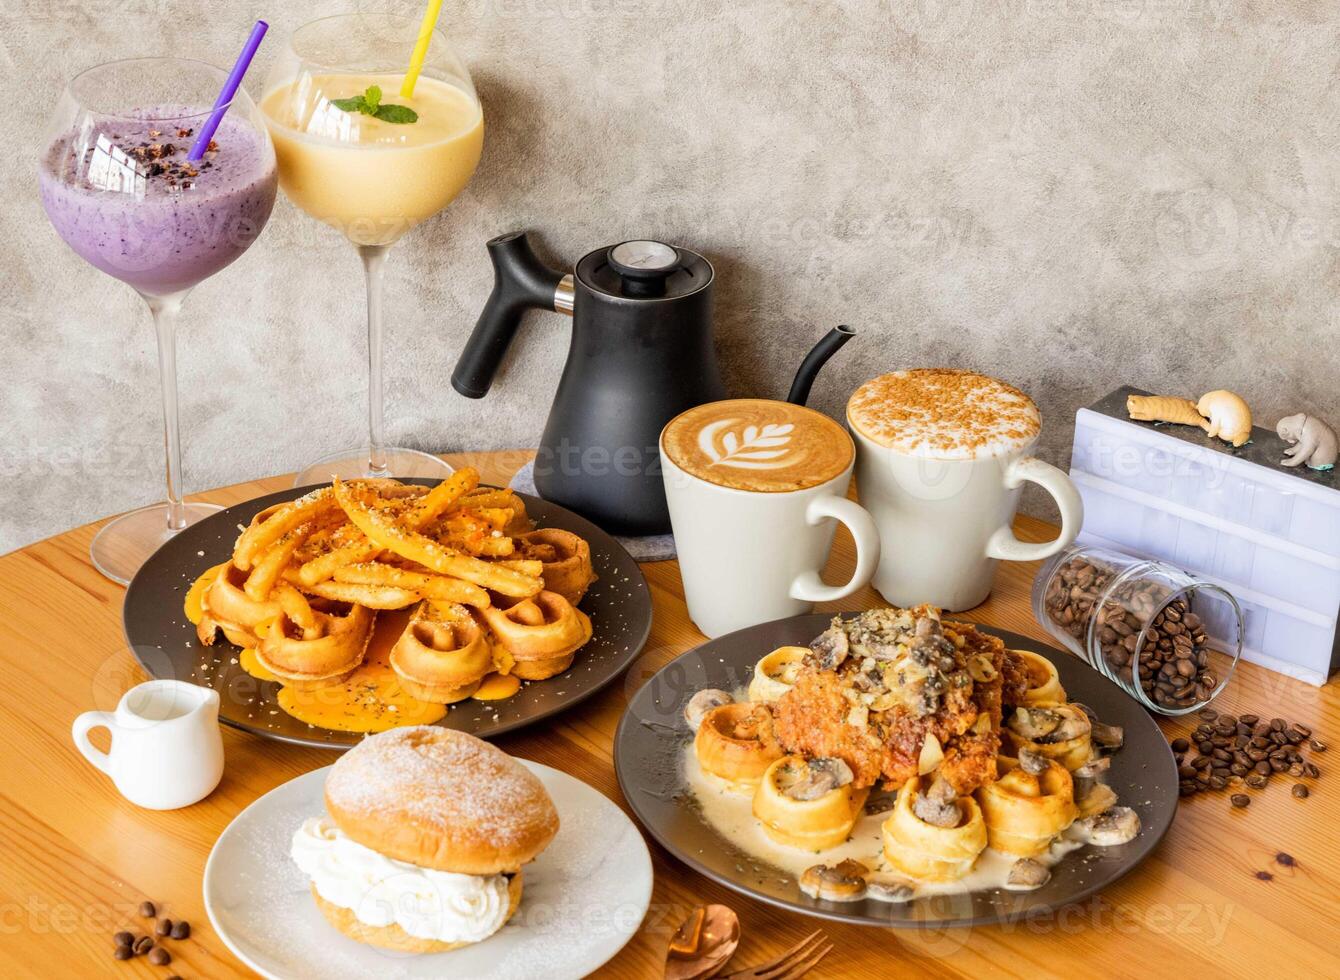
(427, 832)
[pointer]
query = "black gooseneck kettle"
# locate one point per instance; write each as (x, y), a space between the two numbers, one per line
(641, 353)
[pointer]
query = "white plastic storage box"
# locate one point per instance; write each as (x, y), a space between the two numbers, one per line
(1267, 533)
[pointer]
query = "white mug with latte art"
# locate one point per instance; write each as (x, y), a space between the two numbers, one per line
(755, 489)
(942, 457)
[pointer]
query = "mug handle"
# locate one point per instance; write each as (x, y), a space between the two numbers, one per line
(808, 587)
(1005, 546)
(79, 732)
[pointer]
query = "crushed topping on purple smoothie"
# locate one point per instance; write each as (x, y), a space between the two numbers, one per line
(153, 159)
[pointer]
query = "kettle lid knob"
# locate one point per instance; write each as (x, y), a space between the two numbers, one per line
(644, 266)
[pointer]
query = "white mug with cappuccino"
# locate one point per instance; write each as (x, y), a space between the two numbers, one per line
(755, 489)
(941, 458)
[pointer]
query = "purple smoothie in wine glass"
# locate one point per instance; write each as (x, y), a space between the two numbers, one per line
(123, 195)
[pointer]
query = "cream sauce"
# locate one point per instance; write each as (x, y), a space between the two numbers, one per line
(731, 815)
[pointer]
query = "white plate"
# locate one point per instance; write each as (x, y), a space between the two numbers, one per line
(584, 896)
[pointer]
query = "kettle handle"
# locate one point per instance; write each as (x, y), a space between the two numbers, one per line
(520, 282)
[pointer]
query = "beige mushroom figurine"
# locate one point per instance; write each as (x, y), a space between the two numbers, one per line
(1311, 441)
(1230, 418)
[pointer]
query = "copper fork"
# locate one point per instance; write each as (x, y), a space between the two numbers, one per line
(797, 961)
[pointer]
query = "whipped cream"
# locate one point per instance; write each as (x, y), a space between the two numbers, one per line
(427, 904)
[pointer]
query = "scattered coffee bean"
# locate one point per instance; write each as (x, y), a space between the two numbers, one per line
(1285, 859)
(148, 910)
(181, 930)
(122, 952)
(123, 938)
(143, 945)
(1245, 749)
(1264, 876)
(1317, 746)
(163, 927)
(159, 956)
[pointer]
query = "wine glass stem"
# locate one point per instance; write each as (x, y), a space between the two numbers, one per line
(165, 310)
(374, 268)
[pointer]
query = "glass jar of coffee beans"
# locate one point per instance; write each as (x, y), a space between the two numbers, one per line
(1170, 639)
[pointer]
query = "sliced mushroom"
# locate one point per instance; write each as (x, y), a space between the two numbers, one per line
(981, 669)
(1034, 723)
(927, 626)
(1088, 712)
(1115, 825)
(1033, 763)
(830, 648)
(938, 806)
(844, 882)
(821, 776)
(932, 754)
(1093, 768)
(887, 892)
(1027, 874)
(931, 648)
(1107, 736)
(1073, 725)
(703, 702)
(880, 801)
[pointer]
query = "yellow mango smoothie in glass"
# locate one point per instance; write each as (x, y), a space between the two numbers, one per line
(371, 179)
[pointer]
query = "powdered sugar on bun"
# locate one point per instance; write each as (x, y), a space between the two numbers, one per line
(440, 799)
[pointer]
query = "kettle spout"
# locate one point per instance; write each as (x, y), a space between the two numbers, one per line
(520, 282)
(815, 360)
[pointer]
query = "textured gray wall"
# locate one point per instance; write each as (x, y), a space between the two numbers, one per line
(1070, 194)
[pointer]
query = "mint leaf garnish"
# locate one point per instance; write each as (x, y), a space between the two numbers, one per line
(396, 114)
(370, 104)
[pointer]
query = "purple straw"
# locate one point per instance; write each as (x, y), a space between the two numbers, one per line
(230, 88)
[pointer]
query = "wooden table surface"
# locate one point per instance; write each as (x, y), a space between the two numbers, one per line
(78, 859)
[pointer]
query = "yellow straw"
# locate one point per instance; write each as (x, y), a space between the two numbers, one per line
(420, 48)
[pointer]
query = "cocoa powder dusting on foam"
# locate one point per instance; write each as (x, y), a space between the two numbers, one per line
(401, 770)
(944, 412)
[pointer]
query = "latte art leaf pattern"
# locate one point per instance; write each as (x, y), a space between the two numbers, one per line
(754, 448)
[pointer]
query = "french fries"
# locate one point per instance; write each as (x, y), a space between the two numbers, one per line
(374, 544)
(259, 537)
(395, 536)
(439, 588)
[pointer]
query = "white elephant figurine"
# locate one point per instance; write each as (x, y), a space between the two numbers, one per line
(1311, 441)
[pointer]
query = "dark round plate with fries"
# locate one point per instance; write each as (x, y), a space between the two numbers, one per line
(167, 645)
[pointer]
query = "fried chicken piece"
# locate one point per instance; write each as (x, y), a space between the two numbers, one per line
(1013, 677)
(902, 676)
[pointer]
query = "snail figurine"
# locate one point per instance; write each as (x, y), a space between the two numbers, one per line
(1230, 418)
(1311, 441)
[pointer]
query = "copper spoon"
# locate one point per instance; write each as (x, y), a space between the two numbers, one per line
(703, 944)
